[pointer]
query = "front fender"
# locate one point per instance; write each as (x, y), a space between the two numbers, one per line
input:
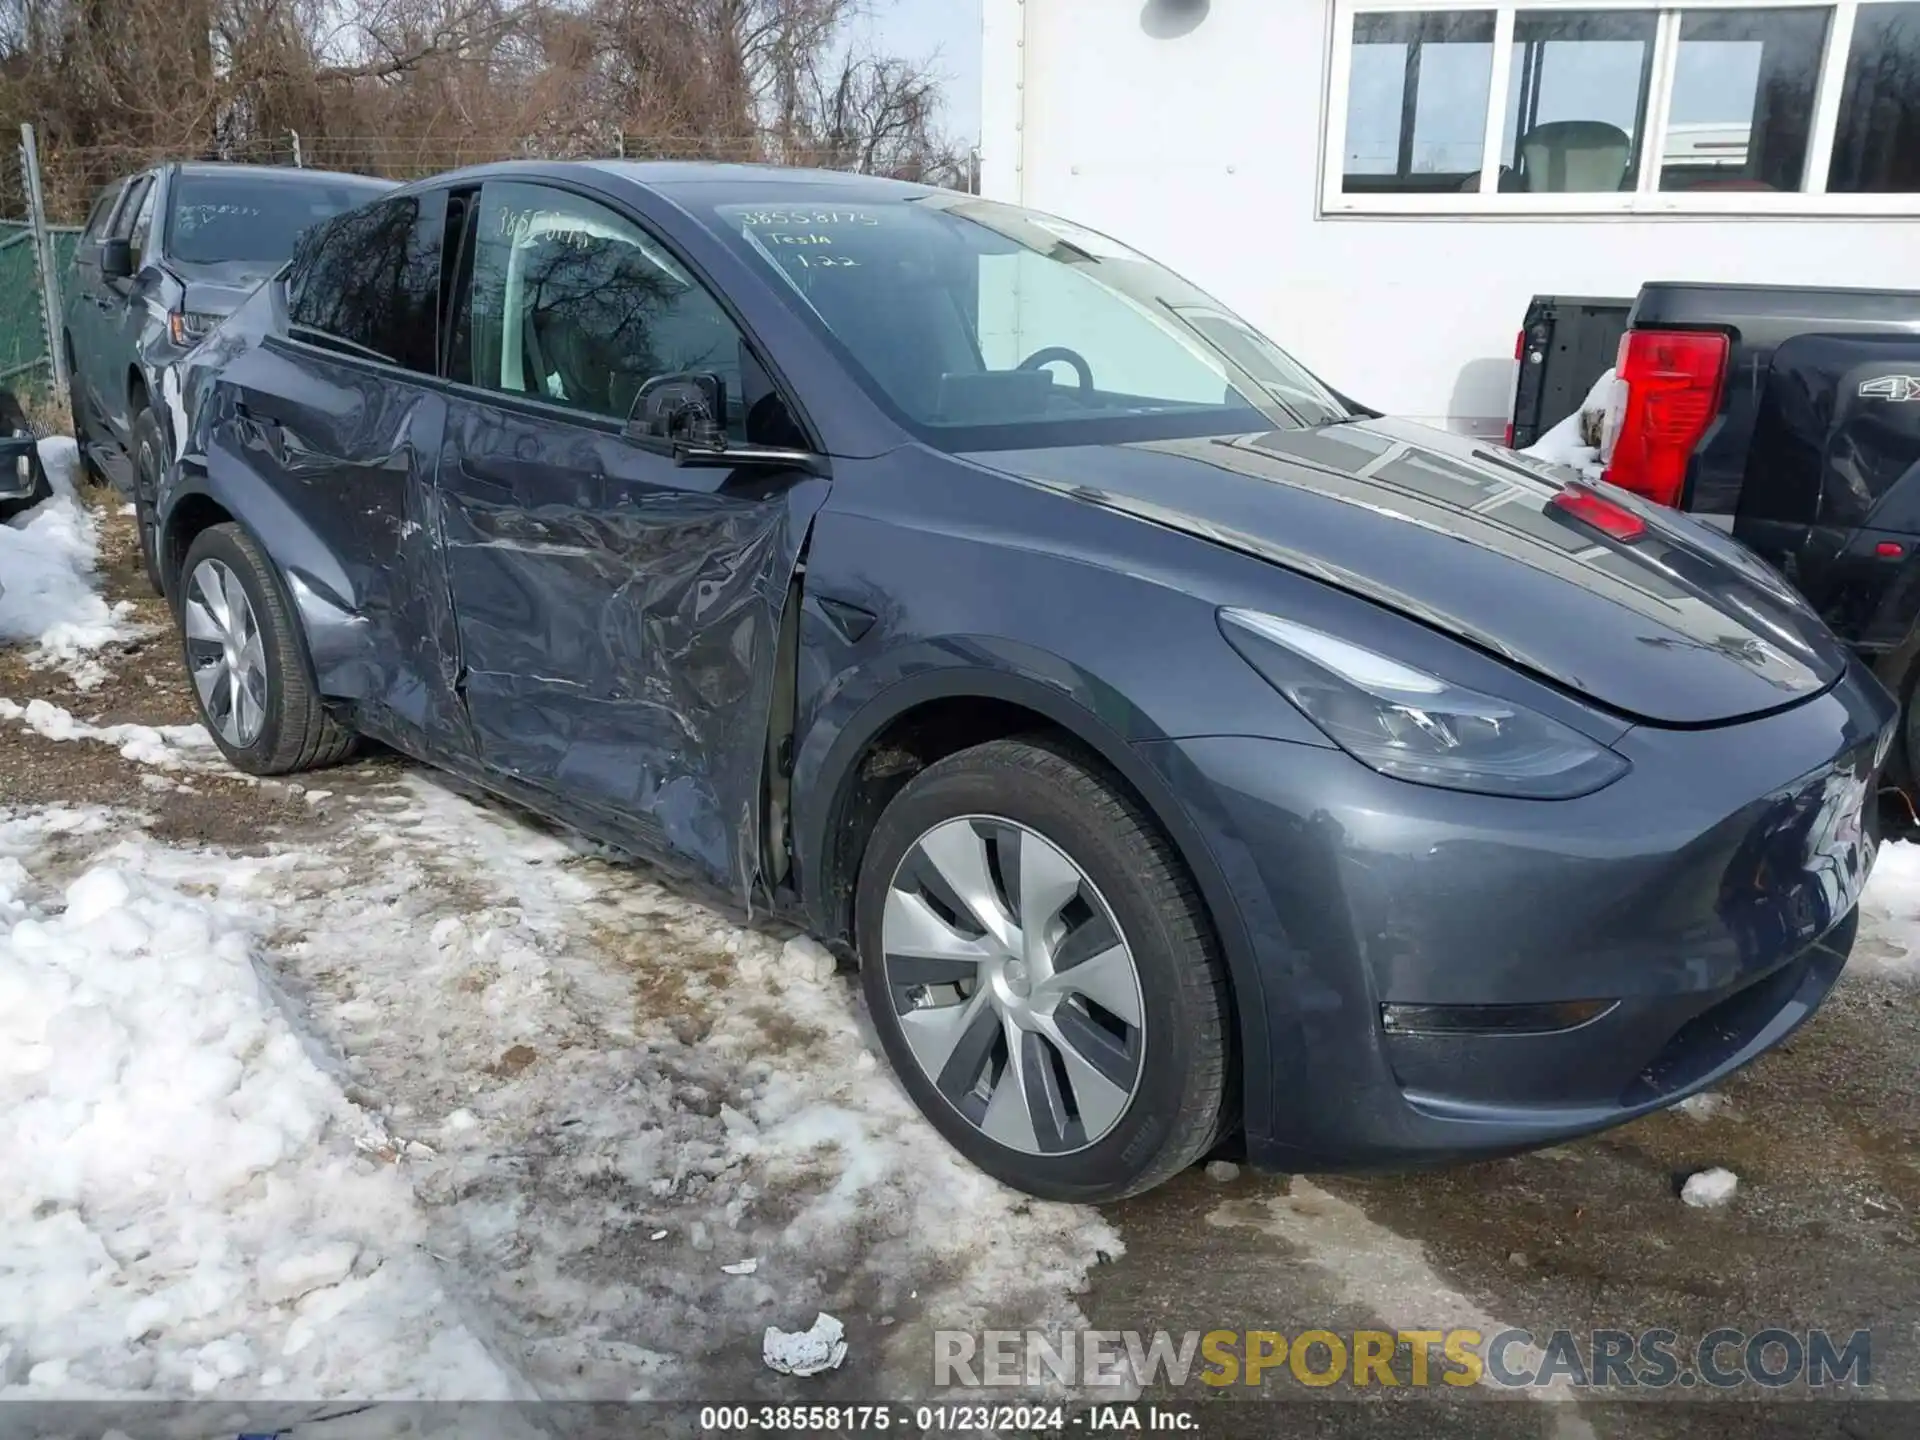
(1085, 708)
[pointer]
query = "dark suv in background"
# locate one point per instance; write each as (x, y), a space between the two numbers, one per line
(166, 255)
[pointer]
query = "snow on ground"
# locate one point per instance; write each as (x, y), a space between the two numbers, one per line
(571, 1057)
(522, 1061)
(47, 594)
(185, 1211)
(165, 747)
(428, 1101)
(1889, 940)
(1566, 443)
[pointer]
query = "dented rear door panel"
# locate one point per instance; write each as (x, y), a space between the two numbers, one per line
(617, 618)
(332, 463)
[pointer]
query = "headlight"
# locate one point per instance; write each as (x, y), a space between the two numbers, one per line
(189, 327)
(1415, 726)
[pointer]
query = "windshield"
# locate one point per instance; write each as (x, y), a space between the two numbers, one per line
(221, 219)
(986, 326)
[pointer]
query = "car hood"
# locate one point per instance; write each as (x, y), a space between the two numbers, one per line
(220, 289)
(1679, 626)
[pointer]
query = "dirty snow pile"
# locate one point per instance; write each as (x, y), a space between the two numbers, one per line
(165, 747)
(609, 1099)
(47, 595)
(183, 1210)
(1575, 441)
(1890, 914)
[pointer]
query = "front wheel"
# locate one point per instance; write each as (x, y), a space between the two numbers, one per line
(147, 474)
(247, 660)
(1042, 974)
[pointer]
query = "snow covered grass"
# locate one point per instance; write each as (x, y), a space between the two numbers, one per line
(184, 1211)
(1571, 442)
(47, 594)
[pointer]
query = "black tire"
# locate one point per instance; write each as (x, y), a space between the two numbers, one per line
(90, 473)
(1180, 1102)
(296, 732)
(149, 450)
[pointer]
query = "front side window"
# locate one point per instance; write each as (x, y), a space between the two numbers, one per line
(573, 304)
(1876, 144)
(99, 213)
(142, 228)
(131, 208)
(981, 324)
(368, 282)
(220, 219)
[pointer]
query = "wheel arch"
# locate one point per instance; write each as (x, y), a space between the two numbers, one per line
(919, 719)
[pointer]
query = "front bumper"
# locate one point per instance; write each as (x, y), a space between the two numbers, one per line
(1707, 899)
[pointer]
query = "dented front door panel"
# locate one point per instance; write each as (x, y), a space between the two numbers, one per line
(617, 620)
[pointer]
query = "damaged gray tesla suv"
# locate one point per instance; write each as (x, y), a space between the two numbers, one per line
(1183, 752)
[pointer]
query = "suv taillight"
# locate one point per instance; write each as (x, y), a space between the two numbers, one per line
(1672, 381)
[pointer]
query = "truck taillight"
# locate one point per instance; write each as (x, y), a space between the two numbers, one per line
(1672, 381)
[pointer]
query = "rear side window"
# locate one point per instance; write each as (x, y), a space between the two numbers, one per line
(368, 282)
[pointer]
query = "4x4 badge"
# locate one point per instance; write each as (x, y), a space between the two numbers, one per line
(1892, 387)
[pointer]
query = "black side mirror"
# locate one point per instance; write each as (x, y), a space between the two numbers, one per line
(116, 259)
(689, 409)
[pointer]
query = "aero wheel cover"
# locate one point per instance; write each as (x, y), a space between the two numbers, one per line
(224, 653)
(1016, 991)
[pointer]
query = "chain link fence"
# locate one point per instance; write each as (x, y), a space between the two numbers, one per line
(71, 177)
(27, 239)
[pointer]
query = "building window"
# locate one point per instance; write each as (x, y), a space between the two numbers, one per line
(1417, 99)
(1577, 100)
(1744, 86)
(1696, 107)
(1876, 144)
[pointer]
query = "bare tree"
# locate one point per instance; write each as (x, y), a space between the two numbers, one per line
(409, 87)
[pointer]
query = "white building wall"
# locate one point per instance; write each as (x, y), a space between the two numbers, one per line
(1203, 150)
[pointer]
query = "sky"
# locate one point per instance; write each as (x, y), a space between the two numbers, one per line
(948, 31)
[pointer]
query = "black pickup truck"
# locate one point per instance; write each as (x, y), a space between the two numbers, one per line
(1791, 418)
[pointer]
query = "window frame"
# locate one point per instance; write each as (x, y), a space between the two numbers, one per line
(1646, 200)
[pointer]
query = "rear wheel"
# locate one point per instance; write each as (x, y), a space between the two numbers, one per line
(1042, 975)
(81, 417)
(247, 660)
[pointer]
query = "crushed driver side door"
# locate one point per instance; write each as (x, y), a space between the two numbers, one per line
(617, 615)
